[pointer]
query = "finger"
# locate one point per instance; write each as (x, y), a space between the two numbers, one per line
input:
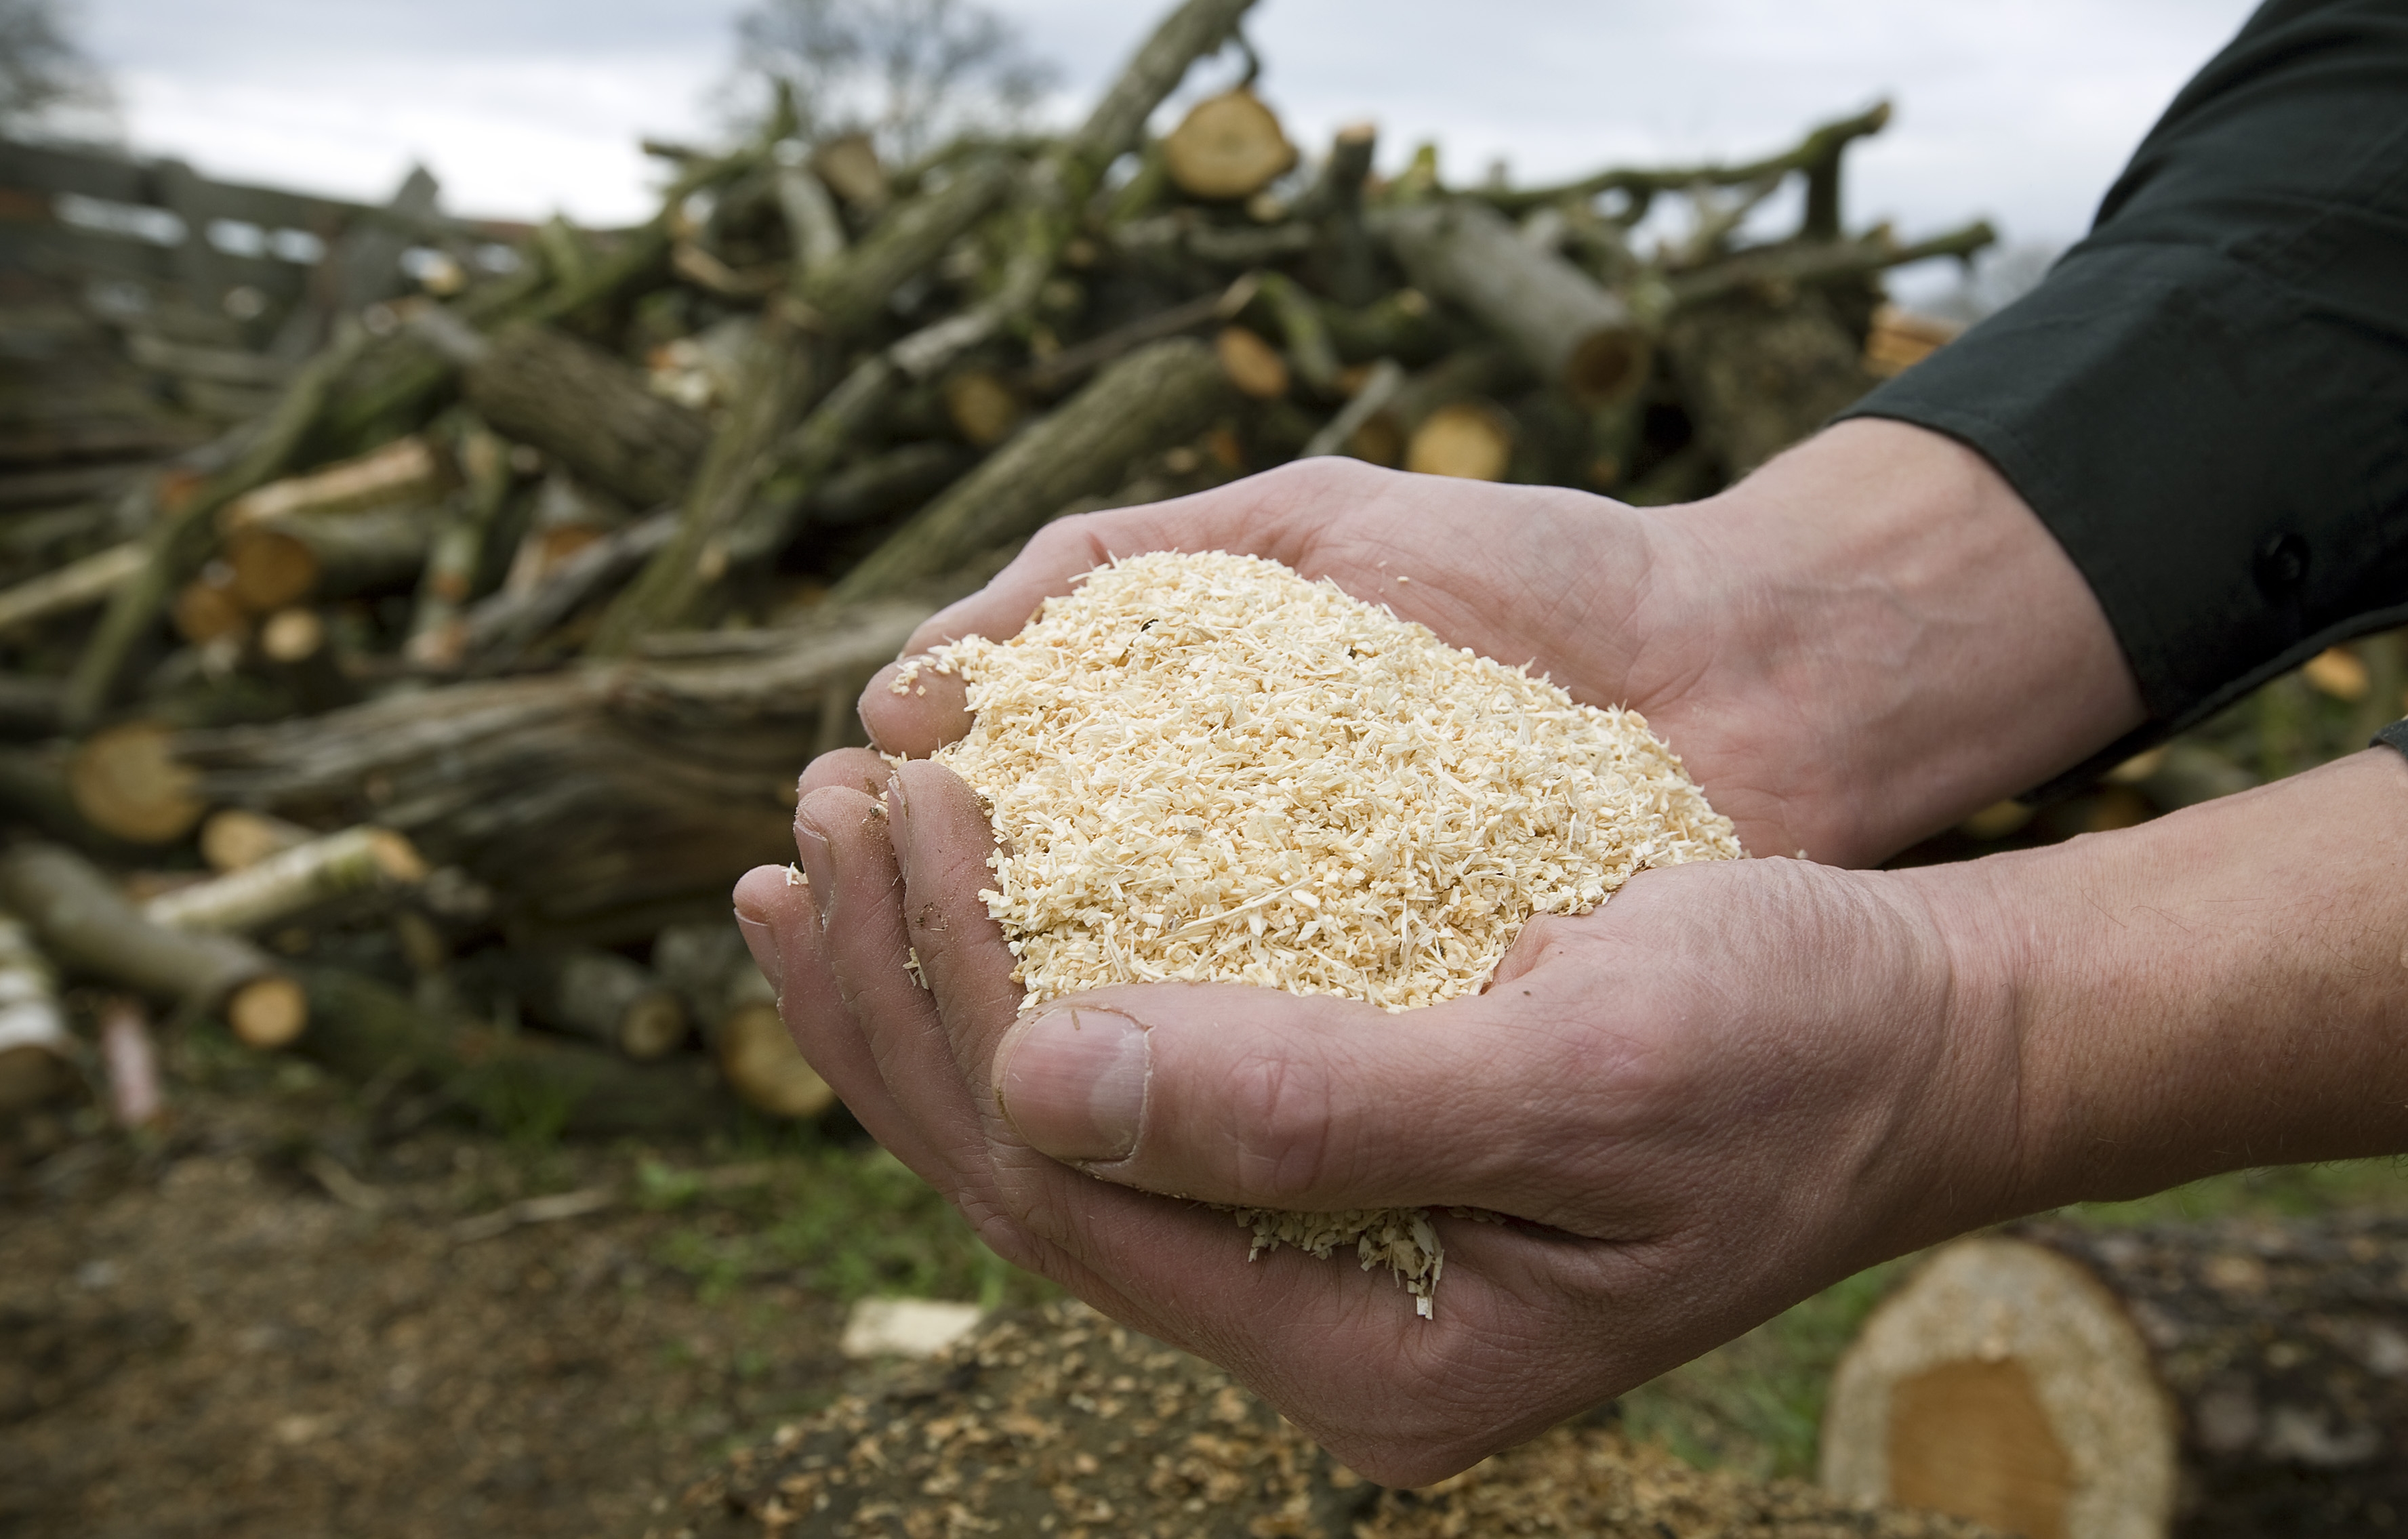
(781, 926)
(856, 769)
(917, 717)
(1259, 1098)
(942, 842)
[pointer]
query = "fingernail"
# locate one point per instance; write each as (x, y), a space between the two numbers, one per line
(761, 942)
(819, 867)
(898, 821)
(1073, 1081)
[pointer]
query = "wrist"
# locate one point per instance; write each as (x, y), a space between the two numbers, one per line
(2215, 989)
(1922, 636)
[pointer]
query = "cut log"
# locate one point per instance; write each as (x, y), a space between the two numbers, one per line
(290, 882)
(89, 927)
(1902, 339)
(812, 223)
(602, 997)
(851, 291)
(591, 800)
(894, 483)
(276, 563)
(126, 784)
(982, 408)
(778, 379)
(1304, 329)
(1372, 392)
(515, 1080)
(1470, 439)
(1252, 364)
(38, 1053)
(1228, 147)
(1161, 395)
(1576, 334)
(848, 164)
(178, 538)
(498, 632)
(457, 553)
(206, 608)
(408, 470)
(2241, 1378)
(1760, 373)
(590, 411)
(234, 839)
(1471, 374)
(1343, 262)
(78, 584)
(295, 651)
(708, 964)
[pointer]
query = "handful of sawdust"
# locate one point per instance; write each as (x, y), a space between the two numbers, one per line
(1204, 768)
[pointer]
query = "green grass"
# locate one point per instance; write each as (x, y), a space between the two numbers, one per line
(845, 1222)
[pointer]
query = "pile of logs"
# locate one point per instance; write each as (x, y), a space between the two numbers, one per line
(445, 700)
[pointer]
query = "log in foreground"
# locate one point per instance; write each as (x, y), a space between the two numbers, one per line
(1059, 1420)
(2241, 1378)
(89, 927)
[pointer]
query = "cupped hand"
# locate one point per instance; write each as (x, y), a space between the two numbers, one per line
(1734, 1083)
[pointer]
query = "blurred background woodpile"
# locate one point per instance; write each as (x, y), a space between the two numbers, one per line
(414, 625)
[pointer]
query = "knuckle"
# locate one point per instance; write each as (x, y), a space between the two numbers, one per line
(1324, 475)
(1283, 1144)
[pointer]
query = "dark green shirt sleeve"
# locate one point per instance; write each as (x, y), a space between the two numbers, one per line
(2207, 400)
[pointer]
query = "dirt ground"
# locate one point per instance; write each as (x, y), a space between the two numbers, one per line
(282, 1319)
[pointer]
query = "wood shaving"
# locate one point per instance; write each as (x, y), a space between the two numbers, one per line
(1205, 768)
(1056, 1421)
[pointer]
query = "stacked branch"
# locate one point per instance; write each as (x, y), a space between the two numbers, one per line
(484, 660)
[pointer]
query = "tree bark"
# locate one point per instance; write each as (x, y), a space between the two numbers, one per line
(2242, 1377)
(126, 783)
(1574, 334)
(602, 997)
(88, 926)
(851, 292)
(589, 411)
(290, 882)
(513, 1080)
(1149, 401)
(595, 802)
(1758, 375)
(279, 561)
(38, 1053)
(707, 963)
(679, 585)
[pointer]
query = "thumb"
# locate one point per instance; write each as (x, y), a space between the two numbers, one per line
(1263, 1099)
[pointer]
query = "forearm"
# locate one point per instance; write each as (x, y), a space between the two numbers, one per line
(2222, 988)
(1929, 646)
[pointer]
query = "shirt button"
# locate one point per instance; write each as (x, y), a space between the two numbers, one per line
(2281, 565)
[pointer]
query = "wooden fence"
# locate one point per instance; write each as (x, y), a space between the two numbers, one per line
(279, 263)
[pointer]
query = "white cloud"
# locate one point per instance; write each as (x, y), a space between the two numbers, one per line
(2021, 109)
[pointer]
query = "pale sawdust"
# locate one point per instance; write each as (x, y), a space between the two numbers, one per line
(1205, 768)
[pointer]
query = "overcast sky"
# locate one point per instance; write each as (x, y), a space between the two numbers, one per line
(2021, 110)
